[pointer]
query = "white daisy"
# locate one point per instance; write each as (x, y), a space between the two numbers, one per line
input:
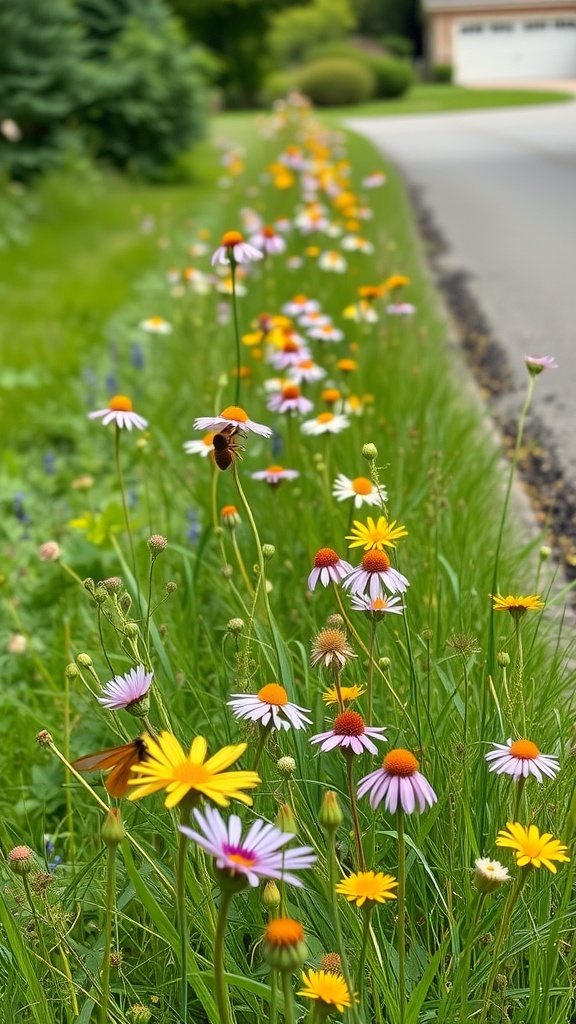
(326, 423)
(360, 488)
(120, 412)
(202, 447)
(521, 758)
(232, 415)
(270, 706)
(155, 325)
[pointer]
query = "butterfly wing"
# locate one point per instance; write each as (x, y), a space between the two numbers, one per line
(118, 759)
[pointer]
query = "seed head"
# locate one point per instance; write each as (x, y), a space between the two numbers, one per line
(50, 551)
(331, 963)
(157, 544)
(331, 649)
(43, 738)
(113, 584)
(235, 625)
(286, 765)
(20, 859)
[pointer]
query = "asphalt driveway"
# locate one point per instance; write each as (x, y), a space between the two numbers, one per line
(501, 188)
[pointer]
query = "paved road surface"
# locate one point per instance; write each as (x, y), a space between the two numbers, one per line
(501, 186)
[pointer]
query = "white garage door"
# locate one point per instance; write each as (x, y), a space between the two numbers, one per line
(511, 50)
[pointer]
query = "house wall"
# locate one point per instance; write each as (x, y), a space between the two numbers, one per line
(441, 23)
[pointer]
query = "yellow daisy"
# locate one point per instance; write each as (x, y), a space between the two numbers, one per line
(531, 847)
(375, 536)
(328, 988)
(347, 693)
(367, 887)
(517, 606)
(168, 767)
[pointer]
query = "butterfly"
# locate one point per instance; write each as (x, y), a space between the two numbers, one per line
(119, 760)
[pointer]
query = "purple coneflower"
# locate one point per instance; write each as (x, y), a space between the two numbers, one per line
(399, 783)
(350, 732)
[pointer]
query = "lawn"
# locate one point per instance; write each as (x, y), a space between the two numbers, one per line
(169, 567)
(435, 99)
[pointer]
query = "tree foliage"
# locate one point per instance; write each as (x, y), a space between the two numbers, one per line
(295, 29)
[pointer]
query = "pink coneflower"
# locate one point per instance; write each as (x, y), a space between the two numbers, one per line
(256, 856)
(300, 304)
(399, 783)
(326, 423)
(233, 249)
(124, 690)
(314, 319)
(202, 447)
(274, 475)
(268, 241)
(535, 364)
(400, 309)
(231, 416)
(328, 568)
(350, 732)
(269, 705)
(289, 399)
(306, 372)
(379, 606)
(326, 333)
(360, 489)
(520, 759)
(375, 572)
(293, 351)
(120, 412)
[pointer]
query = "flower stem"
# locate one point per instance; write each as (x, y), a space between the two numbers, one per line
(182, 924)
(126, 515)
(289, 1017)
(401, 915)
(504, 924)
(361, 971)
(354, 809)
(236, 329)
(260, 747)
(220, 986)
(273, 1007)
(110, 904)
(332, 879)
(370, 683)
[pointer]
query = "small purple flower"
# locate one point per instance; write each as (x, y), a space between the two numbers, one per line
(374, 573)
(122, 691)
(399, 783)
(258, 855)
(350, 732)
(535, 364)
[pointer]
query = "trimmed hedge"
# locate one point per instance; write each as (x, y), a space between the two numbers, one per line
(393, 76)
(336, 81)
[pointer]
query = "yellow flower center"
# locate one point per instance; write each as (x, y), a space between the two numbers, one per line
(120, 404)
(306, 364)
(241, 858)
(284, 931)
(524, 749)
(192, 774)
(361, 485)
(273, 693)
(375, 561)
(208, 438)
(229, 510)
(325, 417)
(400, 762)
(231, 238)
(300, 300)
(330, 395)
(275, 469)
(346, 365)
(234, 412)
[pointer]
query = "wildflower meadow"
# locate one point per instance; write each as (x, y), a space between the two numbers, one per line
(288, 688)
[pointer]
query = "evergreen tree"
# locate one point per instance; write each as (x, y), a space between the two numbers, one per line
(44, 80)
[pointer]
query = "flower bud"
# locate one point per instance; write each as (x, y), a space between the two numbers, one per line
(84, 660)
(116, 958)
(139, 1014)
(268, 552)
(384, 662)
(370, 452)
(131, 630)
(126, 602)
(286, 819)
(43, 738)
(113, 584)
(503, 659)
(113, 830)
(88, 584)
(286, 765)
(17, 644)
(335, 621)
(545, 552)
(50, 551)
(71, 671)
(171, 587)
(271, 895)
(20, 859)
(330, 817)
(235, 625)
(283, 946)
(156, 544)
(489, 875)
(227, 571)
(230, 516)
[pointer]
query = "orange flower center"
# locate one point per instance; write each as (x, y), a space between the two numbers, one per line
(157, 321)
(231, 238)
(330, 395)
(240, 856)
(291, 391)
(349, 723)
(300, 300)
(273, 693)
(346, 365)
(229, 510)
(524, 749)
(325, 417)
(208, 438)
(284, 931)
(192, 774)
(268, 232)
(234, 412)
(120, 404)
(400, 762)
(290, 345)
(361, 485)
(326, 557)
(375, 561)
(306, 364)
(275, 469)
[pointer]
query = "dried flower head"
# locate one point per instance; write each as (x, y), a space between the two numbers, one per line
(331, 649)
(331, 963)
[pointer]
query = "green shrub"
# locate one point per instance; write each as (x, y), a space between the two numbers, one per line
(336, 82)
(393, 77)
(399, 46)
(277, 85)
(443, 73)
(294, 29)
